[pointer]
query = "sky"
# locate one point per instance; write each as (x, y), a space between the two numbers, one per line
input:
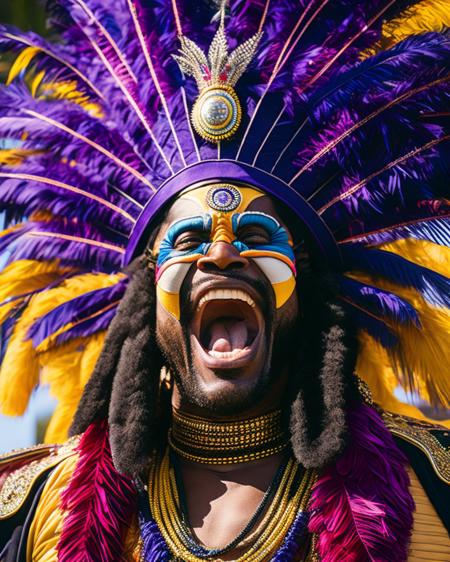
(16, 433)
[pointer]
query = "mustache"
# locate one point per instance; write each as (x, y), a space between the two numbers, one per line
(262, 287)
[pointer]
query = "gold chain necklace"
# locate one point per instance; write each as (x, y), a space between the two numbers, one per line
(292, 497)
(219, 443)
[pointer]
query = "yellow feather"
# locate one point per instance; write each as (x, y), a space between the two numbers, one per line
(15, 156)
(92, 350)
(422, 252)
(36, 82)
(21, 62)
(374, 367)
(7, 308)
(19, 370)
(426, 348)
(66, 369)
(24, 276)
(61, 371)
(428, 15)
(68, 90)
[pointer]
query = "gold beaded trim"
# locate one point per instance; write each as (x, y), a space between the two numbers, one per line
(208, 442)
(223, 460)
(24, 453)
(19, 483)
(418, 433)
(288, 501)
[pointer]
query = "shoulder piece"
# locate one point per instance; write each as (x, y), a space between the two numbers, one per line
(432, 440)
(24, 467)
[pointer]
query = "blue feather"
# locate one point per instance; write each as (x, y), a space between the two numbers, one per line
(434, 287)
(434, 230)
(379, 302)
(380, 71)
(364, 320)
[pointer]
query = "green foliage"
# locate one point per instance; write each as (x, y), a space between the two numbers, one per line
(26, 14)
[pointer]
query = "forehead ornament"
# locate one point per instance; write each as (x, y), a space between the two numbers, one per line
(224, 198)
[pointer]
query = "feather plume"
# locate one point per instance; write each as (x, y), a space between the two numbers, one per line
(99, 503)
(53, 58)
(380, 303)
(374, 366)
(417, 358)
(420, 17)
(434, 287)
(100, 291)
(66, 370)
(427, 228)
(361, 506)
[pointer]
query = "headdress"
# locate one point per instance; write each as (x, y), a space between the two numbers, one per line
(337, 109)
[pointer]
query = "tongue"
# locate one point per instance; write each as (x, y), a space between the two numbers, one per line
(227, 335)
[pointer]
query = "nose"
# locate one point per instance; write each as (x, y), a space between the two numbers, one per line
(221, 256)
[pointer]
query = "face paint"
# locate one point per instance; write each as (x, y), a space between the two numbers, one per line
(223, 217)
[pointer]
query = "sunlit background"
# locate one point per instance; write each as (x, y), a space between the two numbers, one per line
(30, 429)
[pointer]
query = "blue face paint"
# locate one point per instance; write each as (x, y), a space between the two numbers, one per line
(200, 224)
(274, 257)
(279, 239)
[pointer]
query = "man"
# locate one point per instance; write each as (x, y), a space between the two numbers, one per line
(249, 247)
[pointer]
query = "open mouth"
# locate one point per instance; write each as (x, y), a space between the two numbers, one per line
(227, 327)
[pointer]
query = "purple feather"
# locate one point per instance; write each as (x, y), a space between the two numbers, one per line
(154, 545)
(75, 311)
(73, 244)
(294, 540)
(378, 302)
(98, 323)
(362, 506)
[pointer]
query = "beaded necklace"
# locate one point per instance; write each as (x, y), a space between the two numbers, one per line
(227, 442)
(164, 533)
(188, 538)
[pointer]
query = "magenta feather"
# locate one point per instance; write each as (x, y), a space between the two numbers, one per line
(362, 507)
(99, 503)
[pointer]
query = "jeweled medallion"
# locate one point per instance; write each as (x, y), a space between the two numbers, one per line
(224, 198)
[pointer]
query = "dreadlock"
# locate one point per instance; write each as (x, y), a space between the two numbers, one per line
(323, 376)
(125, 385)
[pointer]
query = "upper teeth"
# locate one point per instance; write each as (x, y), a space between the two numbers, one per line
(236, 294)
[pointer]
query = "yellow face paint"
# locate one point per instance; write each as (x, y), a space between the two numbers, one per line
(223, 209)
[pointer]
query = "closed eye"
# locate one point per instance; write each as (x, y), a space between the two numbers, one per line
(253, 236)
(189, 241)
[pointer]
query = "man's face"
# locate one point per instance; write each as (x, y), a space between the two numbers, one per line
(226, 303)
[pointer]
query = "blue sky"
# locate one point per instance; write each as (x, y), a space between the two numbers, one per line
(20, 432)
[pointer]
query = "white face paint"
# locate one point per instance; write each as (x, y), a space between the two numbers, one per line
(222, 213)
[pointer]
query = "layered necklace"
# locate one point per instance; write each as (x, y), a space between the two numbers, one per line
(221, 443)
(166, 533)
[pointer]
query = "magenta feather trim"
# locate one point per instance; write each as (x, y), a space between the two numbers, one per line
(99, 503)
(362, 507)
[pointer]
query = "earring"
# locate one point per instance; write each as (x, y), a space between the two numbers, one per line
(165, 378)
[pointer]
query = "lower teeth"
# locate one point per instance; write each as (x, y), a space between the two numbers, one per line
(225, 354)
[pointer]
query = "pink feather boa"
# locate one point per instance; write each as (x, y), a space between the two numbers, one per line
(362, 509)
(99, 503)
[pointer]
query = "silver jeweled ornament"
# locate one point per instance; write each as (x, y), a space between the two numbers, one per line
(224, 197)
(217, 113)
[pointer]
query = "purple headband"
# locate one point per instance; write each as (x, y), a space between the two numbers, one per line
(232, 171)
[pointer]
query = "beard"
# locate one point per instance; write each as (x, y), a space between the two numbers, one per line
(229, 399)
